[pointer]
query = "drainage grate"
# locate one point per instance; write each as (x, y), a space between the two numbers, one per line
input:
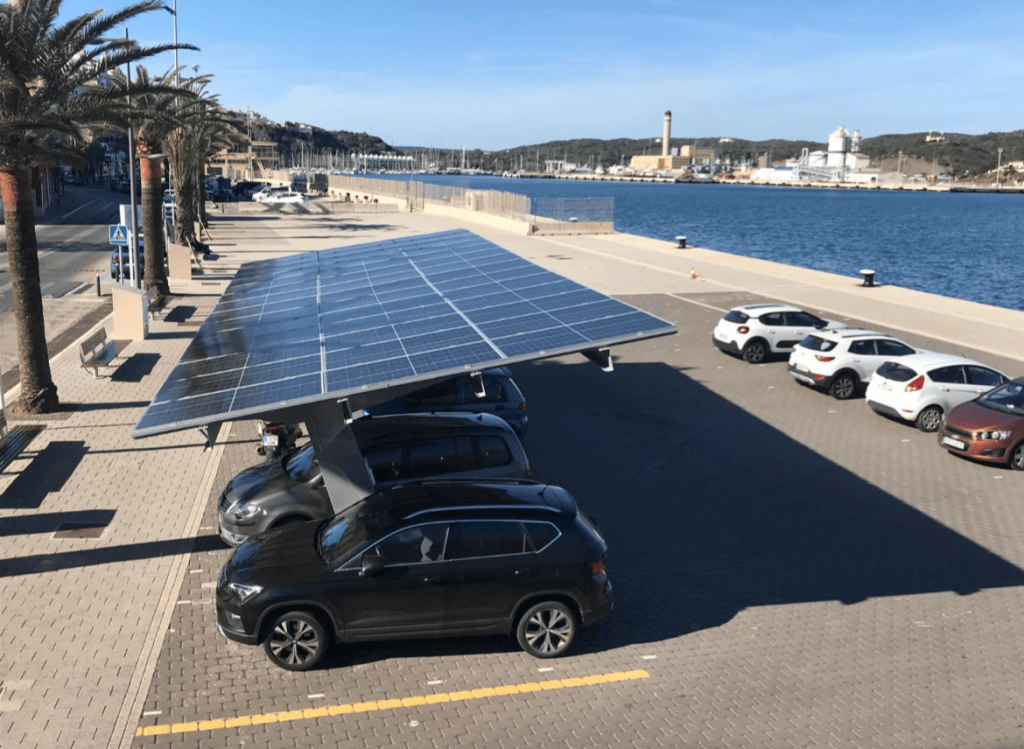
(79, 530)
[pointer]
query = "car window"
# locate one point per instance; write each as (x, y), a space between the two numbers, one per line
(542, 534)
(421, 543)
(385, 463)
(771, 318)
(494, 392)
(983, 376)
(893, 348)
(736, 316)
(487, 538)
(802, 319)
(817, 343)
(301, 464)
(953, 375)
(492, 452)
(438, 394)
(895, 371)
(439, 455)
(862, 348)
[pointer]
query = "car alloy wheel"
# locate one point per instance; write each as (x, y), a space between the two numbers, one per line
(843, 387)
(755, 352)
(930, 419)
(547, 630)
(1017, 458)
(297, 641)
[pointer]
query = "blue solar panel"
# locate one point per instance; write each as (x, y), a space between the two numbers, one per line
(325, 325)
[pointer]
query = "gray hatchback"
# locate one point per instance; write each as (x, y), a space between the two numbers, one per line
(395, 449)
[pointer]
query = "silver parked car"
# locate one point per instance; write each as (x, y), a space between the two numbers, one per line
(395, 449)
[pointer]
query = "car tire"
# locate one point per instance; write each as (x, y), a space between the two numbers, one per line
(843, 387)
(1017, 457)
(296, 641)
(755, 352)
(547, 630)
(929, 419)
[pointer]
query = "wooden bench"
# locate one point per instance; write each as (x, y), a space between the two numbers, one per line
(14, 440)
(98, 352)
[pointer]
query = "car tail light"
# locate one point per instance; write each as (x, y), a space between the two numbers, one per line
(522, 406)
(742, 330)
(914, 385)
(596, 568)
(819, 357)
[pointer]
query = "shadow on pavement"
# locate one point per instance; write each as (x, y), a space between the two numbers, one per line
(33, 563)
(48, 472)
(135, 368)
(48, 522)
(708, 510)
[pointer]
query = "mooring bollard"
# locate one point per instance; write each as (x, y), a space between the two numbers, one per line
(869, 277)
(98, 286)
(682, 242)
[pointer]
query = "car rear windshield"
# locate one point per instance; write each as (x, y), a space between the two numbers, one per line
(895, 371)
(815, 343)
(736, 316)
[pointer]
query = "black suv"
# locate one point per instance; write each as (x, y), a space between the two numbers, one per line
(429, 559)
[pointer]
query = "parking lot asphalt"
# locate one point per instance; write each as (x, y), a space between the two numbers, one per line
(790, 570)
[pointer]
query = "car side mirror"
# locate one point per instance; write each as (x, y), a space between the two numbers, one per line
(372, 564)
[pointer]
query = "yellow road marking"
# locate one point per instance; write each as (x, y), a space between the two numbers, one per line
(391, 704)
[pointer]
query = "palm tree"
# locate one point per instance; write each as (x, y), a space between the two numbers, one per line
(154, 116)
(51, 92)
(205, 129)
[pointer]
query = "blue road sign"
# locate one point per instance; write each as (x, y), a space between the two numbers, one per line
(119, 234)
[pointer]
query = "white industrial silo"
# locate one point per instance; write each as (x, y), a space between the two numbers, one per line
(838, 145)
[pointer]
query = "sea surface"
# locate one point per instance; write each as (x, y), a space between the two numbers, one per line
(963, 245)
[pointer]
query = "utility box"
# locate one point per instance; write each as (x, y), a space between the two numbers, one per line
(179, 262)
(131, 313)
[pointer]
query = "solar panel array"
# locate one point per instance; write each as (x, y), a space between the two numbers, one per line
(323, 325)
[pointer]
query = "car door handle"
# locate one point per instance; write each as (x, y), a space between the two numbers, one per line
(526, 573)
(434, 580)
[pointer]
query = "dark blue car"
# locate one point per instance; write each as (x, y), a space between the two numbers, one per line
(126, 261)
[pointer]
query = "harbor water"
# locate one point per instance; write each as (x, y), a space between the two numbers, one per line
(963, 245)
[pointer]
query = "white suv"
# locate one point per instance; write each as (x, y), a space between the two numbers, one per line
(757, 330)
(922, 388)
(841, 361)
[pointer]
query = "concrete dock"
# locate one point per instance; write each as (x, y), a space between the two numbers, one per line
(790, 570)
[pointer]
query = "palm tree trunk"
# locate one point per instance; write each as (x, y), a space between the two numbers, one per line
(154, 275)
(38, 392)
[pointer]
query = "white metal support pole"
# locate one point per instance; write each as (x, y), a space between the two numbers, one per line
(133, 241)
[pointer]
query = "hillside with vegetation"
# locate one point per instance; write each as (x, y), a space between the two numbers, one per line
(959, 154)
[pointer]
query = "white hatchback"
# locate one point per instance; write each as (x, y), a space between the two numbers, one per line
(757, 330)
(922, 388)
(840, 362)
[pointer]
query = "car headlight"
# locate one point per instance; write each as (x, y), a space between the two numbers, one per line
(244, 592)
(244, 510)
(1000, 434)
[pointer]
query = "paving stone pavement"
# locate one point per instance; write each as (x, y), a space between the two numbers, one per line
(790, 570)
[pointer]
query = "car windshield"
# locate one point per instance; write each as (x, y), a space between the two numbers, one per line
(1009, 399)
(353, 527)
(300, 465)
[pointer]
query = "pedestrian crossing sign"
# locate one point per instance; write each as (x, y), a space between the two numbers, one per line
(119, 234)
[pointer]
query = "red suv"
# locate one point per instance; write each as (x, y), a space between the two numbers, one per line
(989, 428)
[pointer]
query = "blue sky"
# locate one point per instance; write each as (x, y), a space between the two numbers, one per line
(497, 75)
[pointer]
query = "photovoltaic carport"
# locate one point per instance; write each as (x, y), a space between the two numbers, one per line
(316, 337)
